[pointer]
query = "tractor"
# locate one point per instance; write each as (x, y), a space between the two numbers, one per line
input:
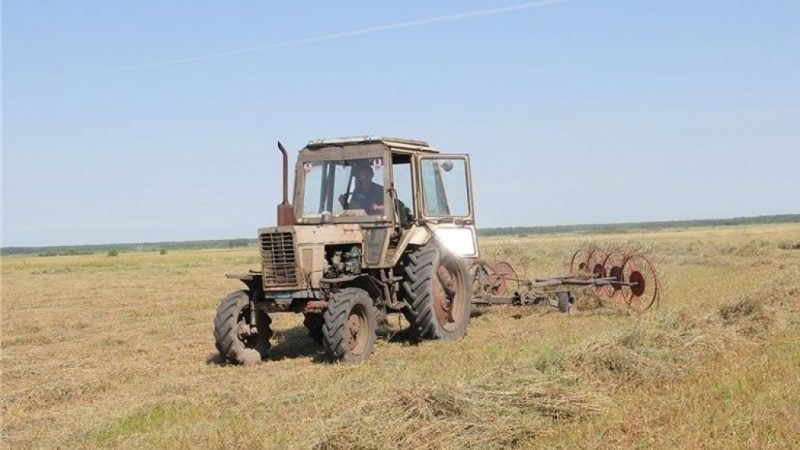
(378, 225)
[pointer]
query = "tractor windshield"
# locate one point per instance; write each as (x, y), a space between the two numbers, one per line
(348, 187)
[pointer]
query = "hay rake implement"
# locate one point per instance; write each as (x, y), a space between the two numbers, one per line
(621, 275)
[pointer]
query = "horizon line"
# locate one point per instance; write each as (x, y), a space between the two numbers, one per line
(791, 218)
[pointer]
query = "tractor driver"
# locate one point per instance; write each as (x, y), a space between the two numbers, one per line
(367, 194)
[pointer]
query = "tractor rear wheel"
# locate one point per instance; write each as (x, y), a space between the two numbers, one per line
(234, 335)
(313, 323)
(349, 325)
(437, 288)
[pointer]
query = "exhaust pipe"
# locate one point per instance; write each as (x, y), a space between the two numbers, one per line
(285, 210)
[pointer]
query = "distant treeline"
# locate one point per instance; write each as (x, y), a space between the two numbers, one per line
(633, 226)
(501, 231)
(129, 247)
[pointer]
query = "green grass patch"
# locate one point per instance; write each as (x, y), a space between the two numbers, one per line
(145, 421)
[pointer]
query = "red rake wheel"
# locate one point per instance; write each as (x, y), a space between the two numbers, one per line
(613, 264)
(594, 263)
(595, 266)
(480, 274)
(645, 291)
(579, 258)
(506, 277)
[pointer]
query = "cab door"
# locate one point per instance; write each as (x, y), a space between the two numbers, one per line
(444, 200)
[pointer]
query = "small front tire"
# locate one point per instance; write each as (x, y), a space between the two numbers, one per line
(232, 330)
(350, 322)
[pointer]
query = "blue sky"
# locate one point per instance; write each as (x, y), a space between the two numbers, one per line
(576, 111)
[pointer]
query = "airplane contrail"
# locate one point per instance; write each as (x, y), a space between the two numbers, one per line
(321, 38)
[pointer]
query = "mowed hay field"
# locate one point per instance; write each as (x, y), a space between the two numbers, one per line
(102, 351)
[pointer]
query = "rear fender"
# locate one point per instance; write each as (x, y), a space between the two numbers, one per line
(416, 236)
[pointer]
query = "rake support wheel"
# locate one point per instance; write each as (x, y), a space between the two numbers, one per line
(437, 288)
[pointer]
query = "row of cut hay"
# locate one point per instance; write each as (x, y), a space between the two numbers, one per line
(666, 345)
(499, 413)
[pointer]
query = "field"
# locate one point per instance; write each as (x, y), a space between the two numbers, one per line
(102, 351)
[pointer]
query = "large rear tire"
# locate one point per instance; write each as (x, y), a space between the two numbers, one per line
(232, 332)
(438, 290)
(350, 322)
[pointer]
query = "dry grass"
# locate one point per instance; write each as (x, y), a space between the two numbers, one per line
(117, 352)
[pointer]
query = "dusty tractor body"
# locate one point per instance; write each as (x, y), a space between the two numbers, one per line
(377, 226)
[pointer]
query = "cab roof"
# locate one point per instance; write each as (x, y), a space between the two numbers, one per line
(411, 145)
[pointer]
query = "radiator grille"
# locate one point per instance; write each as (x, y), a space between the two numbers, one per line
(277, 254)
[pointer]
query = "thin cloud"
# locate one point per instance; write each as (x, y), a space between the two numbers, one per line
(322, 38)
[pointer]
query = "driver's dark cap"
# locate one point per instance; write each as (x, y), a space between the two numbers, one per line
(363, 168)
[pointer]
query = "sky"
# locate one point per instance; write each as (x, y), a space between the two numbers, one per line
(144, 121)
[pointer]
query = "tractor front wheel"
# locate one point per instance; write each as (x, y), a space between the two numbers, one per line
(349, 325)
(437, 289)
(238, 340)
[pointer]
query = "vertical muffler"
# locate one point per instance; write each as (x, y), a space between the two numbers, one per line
(285, 210)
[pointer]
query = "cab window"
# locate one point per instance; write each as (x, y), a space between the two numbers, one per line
(444, 187)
